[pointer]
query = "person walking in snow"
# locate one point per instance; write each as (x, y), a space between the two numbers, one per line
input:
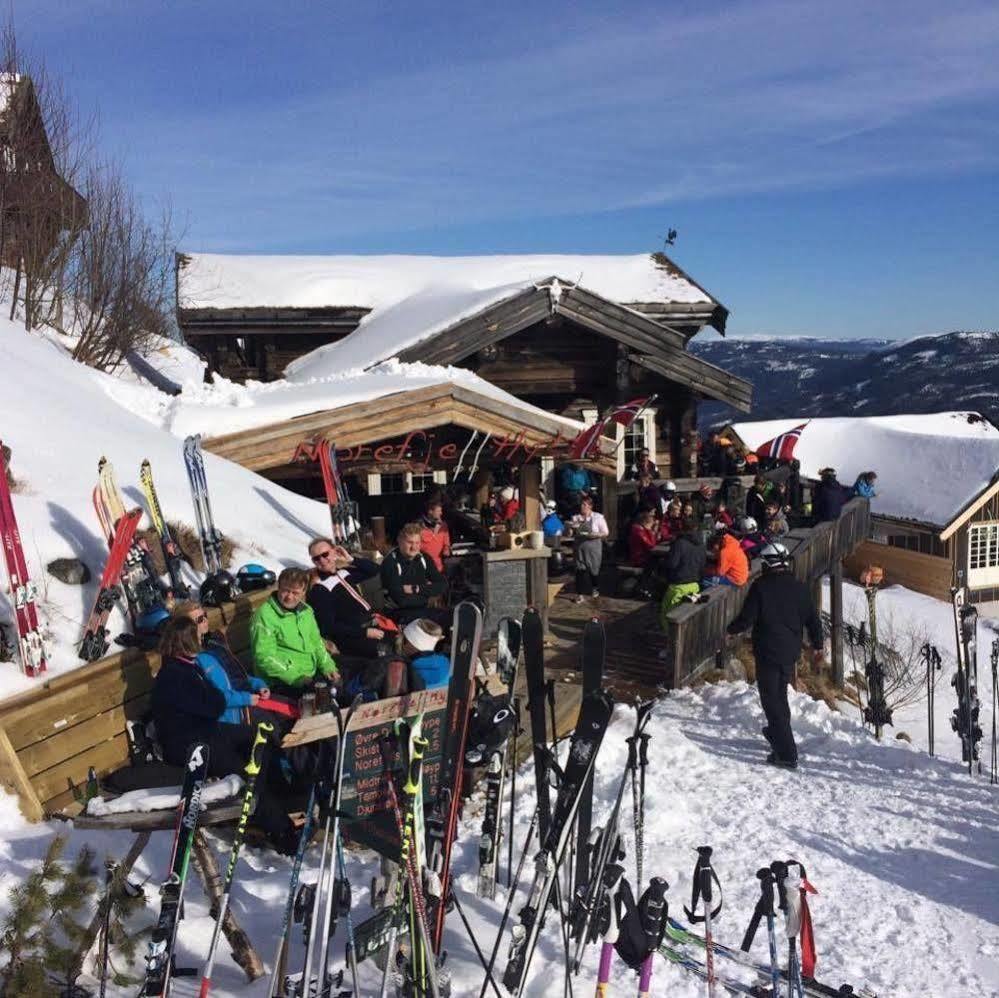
(777, 609)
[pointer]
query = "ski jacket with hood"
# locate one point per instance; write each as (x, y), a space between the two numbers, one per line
(287, 646)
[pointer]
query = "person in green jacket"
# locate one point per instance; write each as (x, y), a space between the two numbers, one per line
(288, 650)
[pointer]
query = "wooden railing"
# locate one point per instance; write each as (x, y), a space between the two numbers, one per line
(695, 632)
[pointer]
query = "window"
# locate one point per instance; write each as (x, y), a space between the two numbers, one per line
(983, 555)
(638, 436)
(404, 482)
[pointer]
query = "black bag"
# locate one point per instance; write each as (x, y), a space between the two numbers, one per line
(642, 926)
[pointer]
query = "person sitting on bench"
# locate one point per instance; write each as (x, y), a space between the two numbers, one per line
(428, 666)
(411, 580)
(343, 614)
(188, 708)
(288, 650)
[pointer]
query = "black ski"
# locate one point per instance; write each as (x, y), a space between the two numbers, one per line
(160, 959)
(442, 812)
(965, 720)
(533, 637)
(594, 716)
(594, 654)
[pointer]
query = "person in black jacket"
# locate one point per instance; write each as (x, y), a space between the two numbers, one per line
(343, 614)
(411, 579)
(778, 608)
(186, 709)
(830, 496)
(684, 566)
(756, 500)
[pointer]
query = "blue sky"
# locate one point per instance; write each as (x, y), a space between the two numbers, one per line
(832, 169)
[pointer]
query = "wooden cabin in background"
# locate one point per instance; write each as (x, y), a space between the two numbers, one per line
(572, 335)
(36, 203)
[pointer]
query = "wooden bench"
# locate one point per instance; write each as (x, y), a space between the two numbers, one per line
(51, 735)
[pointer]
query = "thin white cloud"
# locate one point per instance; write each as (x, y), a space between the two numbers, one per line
(604, 112)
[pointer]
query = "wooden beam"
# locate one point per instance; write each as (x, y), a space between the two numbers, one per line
(14, 780)
(530, 494)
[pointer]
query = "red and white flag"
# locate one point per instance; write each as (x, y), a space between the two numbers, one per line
(586, 441)
(782, 446)
(627, 414)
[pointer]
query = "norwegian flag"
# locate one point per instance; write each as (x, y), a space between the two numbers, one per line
(782, 446)
(624, 415)
(627, 414)
(586, 440)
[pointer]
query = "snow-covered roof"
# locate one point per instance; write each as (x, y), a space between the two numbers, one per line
(388, 331)
(210, 280)
(929, 467)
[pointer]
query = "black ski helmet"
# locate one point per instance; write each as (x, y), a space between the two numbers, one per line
(489, 726)
(253, 576)
(218, 589)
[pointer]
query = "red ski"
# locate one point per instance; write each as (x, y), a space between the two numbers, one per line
(343, 513)
(22, 589)
(95, 636)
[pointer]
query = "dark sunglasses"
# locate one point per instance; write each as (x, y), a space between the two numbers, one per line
(322, 556)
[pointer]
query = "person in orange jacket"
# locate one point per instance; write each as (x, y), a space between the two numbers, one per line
(435, 538)
(731, 563)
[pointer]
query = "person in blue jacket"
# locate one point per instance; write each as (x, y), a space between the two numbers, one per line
(428, 666)
(552, 525)
(223, 670)
(864, 485)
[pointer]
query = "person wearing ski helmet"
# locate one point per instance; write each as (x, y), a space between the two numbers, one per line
(778, 608)
(552, 525)
(288, 649)
(751, 538)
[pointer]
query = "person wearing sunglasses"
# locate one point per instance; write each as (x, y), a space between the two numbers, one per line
(344, 616)
(223, 670)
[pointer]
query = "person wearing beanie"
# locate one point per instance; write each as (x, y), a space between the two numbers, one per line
(428, 666)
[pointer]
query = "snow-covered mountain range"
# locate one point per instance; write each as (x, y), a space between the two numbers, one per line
(801, 376)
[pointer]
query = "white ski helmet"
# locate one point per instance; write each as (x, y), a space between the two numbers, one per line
(775, 555)
(668, 487)
(747, 524)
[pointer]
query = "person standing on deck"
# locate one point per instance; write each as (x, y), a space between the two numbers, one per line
(777, 609)
(589, 528)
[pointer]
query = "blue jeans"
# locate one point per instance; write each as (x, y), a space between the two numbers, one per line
(716, 580)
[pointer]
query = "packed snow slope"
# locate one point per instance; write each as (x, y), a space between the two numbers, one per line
(60, 418)
(903, 848)
(929, 466)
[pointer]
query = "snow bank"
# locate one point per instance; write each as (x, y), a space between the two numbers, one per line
(60, 418)
(209, 280)
(929, 466)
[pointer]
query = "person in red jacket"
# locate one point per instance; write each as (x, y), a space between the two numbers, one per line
(641, 539)
(435, 538)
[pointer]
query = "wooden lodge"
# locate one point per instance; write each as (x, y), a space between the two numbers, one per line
(573, 342)
(36, 203)
(935, 520)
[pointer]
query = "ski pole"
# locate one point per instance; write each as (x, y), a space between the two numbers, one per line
(512, 894)
(109, 868)
(995, 708)
(765, 909)
(471, 935)
(701, 889)
(264, 729)
(612, 932)
(351, 948)
(654, 913)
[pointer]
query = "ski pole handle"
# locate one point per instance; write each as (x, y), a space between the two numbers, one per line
(264, 729)
(643, 755)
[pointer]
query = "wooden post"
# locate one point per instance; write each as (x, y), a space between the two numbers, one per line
(836, 611)
(481, 484)
(530, 495)
(242, 949)
(611, 502)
